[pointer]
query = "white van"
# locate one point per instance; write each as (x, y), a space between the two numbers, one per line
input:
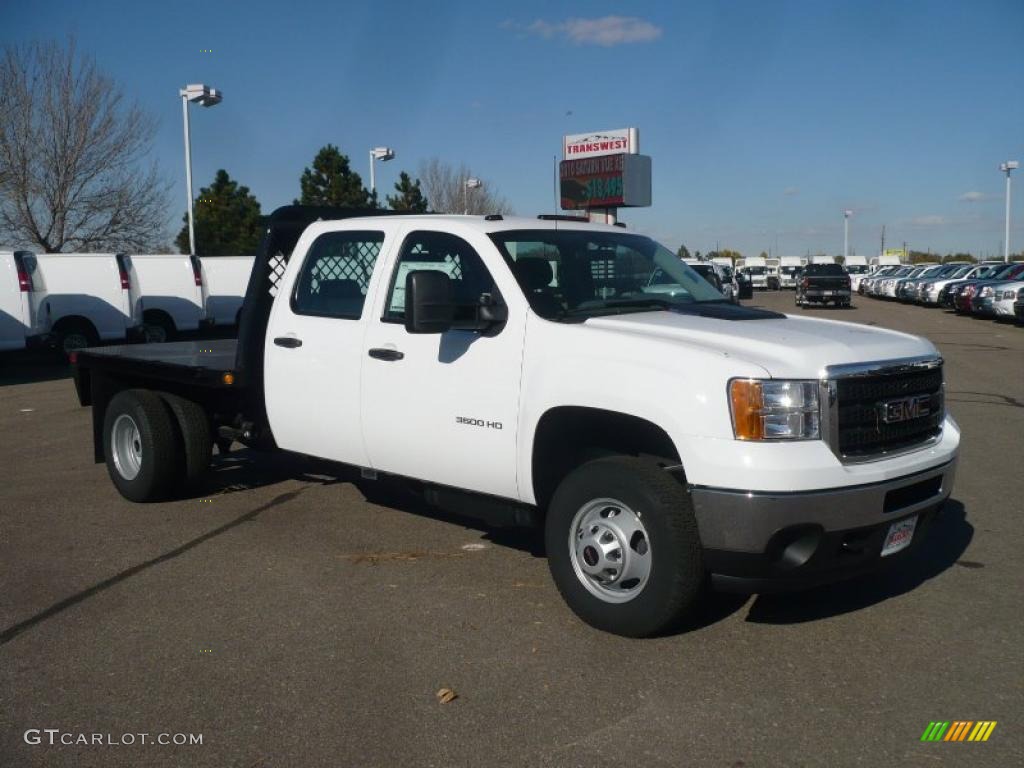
(885, 260)
(788, 267)
(167, 293)
(756, 268)
(15, 306)
(224, 280)
(81, 299)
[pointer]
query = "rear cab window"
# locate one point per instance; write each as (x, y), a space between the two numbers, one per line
(335, 274)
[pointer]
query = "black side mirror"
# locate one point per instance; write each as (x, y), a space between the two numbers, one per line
(428, 302)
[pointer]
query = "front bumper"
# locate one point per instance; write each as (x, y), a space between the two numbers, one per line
(775, 541)
(982, 306)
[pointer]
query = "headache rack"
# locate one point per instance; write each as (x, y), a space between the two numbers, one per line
(877, 410)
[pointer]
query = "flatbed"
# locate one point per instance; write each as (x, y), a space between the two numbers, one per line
(203, 363)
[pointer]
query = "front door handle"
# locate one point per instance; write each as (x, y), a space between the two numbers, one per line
(382, 353)
(289, 342)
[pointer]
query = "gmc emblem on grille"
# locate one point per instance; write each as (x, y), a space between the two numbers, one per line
(905, 408)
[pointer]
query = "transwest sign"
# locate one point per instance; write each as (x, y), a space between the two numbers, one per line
(580, 145)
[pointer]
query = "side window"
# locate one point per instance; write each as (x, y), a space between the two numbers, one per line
(336, 274)
(446, 253)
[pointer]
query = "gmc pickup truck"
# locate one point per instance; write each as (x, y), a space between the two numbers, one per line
(821, 284)
(522, 370)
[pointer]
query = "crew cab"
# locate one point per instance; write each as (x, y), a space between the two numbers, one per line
(523, 371)
(821, 284)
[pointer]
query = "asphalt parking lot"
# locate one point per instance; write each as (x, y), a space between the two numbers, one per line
(291, 622)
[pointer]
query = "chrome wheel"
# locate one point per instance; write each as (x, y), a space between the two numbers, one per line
(610, 550)
(126, 446)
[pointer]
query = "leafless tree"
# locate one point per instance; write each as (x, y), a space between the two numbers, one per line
(73, 157)
(445, 187)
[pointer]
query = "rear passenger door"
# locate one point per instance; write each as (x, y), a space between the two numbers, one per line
(314, 347)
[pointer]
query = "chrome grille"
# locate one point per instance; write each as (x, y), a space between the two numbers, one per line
(855, 403)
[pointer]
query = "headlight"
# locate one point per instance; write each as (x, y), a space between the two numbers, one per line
(772, 409)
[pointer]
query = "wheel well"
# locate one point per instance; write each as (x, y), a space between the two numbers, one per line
(159, 317)
(568, 436)
(69, 321)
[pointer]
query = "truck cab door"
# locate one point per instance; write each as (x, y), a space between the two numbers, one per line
(444, 407)
(314, 347)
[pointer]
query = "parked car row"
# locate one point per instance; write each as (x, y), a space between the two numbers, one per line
(732, 284)
(76, 300)
(991, 289)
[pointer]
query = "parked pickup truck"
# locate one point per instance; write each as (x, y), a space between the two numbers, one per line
(821, 284)
(518, 370)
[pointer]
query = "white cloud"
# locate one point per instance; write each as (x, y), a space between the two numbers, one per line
(973, 197)
(791, 191)
(606, 31)
(931, 220)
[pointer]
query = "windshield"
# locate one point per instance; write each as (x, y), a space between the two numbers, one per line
(1008, 270)
(755, 270)
(857, 269)
(573, 273)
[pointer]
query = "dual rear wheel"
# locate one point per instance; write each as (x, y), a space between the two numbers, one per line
(155, 444)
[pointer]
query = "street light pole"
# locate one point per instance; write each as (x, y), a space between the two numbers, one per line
(1009, 165)
(188, 175)
(378, 153)
(846, 233)
(471, 183)
(204, 96)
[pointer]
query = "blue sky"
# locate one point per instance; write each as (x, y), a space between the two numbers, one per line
(764, 119)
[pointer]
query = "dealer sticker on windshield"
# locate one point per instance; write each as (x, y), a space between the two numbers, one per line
(899, 536)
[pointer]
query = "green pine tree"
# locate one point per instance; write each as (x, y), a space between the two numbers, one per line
(684, 252)
(409, 197)
(332, 182)
(227, 220)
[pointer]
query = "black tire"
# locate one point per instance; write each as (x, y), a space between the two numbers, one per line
(160, 455)
(194, 435)
(676, 576)
(74, 335)
(158, 328)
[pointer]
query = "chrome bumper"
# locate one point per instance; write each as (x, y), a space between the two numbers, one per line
(746, 521)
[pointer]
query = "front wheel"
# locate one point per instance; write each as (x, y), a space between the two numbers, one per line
(623, 547)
